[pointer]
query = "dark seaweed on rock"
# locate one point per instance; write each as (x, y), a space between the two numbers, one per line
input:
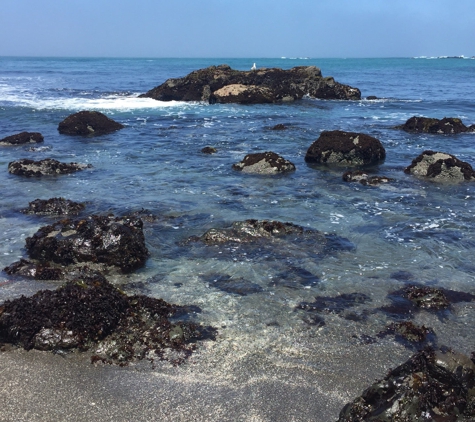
(54, 206)
(88, 313)
(88, 123)
(22, 138)
(408, 333)
(114, 241)
(26, 268)
(46, 167)
(447, 125)
(430, 386)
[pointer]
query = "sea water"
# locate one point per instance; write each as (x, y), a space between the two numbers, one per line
(407, 230)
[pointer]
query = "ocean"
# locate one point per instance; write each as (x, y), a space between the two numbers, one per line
(407, 231)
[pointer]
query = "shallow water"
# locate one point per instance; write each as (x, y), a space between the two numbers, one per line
(422, 229)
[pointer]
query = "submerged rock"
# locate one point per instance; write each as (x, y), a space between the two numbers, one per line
(431, 385)
(54, 206)
(279, 126)
(447, 125)
(264, 163)
(233, 285)
(113, 241)
(22, 138)
(440, 167)
(345, 148)
(221, 84)
(88, 313)
(209, 150)
(408, 333)
(88, 123)
(46, 167)
(30, 269)
(365, 179)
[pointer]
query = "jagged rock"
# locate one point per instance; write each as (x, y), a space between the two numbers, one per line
(440, 167)
(365, 179)
(88, 123)
(113, 241)
(46, 167)
(22, 138)
(431, 385)
(88, 313)
(264, 163)
(447, 125)
(223, 84)
(345, 148)
(209, 150)
(54, 206)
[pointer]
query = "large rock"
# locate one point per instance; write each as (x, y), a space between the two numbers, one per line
(447, 125)
(221, 84)
(264, 163)
(430, 386)
(22, 138)
(440, 167)
(88, 313)
(113, 241)
(88, 123)
(46, 167)
(345, 148)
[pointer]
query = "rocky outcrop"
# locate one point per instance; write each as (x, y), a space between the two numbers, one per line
(22, 138)
(440, 167)
(264, 163)
(431, 385)
(46, 167)
(88, 313)
(364, 178)
(54, 206)
(345, 148)
(221, 84)
(447, 125)
(113, 241)
(88, 123)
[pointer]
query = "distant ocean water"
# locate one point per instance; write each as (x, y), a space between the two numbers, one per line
(409, 229)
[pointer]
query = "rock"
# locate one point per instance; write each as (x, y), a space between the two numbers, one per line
(407, 332)
(431, 385)
(232, 285)
(264, 163)
(440, 167)
(88, 123)
(279, 126)
(30, 269)
(372, 97)
(46, 167)
(22, 138)
(88, 313)
(54, 206)
(345, 148)
(113, 241)
(209, 150)
(217, 84)
(447, 125)
(363, 178)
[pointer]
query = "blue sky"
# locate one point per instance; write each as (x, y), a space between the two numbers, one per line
(237, 28)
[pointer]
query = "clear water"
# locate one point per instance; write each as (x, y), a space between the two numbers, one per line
(155, 163)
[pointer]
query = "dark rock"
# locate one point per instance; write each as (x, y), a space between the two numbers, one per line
(22, 138)
(440, 167)
(217, 84)
(363, 178)
(46, 167)
(427, 297)
(88, 313)
(30, 269)
(88, 123)
(447, 125)
(229, 284)
(431, 386)
(54, 206)
(402, 275)
(209, 150)
(407, 332)
(113, 241)
(345, 148)
(264, 163)
(279, 126)
(334, 305)
(372, 97)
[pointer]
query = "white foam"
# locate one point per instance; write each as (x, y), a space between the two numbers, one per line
(106, 103)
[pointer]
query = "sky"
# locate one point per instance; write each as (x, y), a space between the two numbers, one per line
(237, 28)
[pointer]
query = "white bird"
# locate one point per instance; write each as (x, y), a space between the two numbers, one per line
(253, 67)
